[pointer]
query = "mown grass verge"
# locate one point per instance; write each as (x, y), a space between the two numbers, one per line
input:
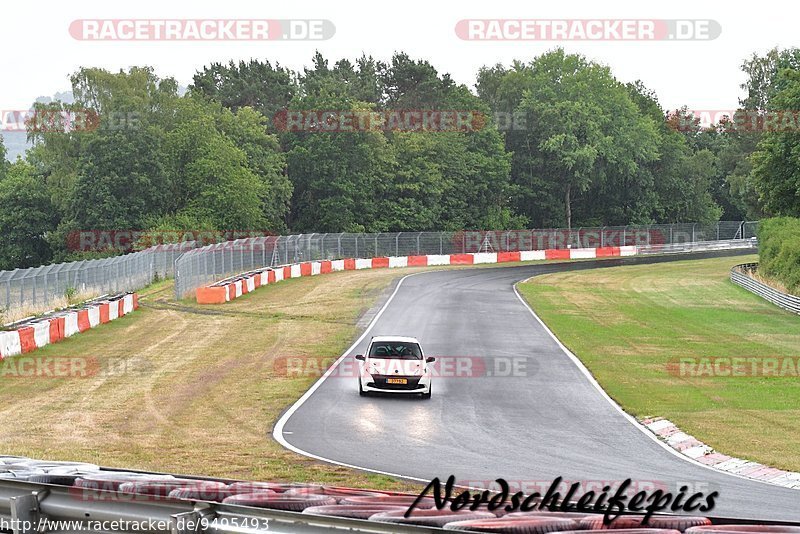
(627, 324)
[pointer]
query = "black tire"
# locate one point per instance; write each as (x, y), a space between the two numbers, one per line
(164, 488)
(428, 394)
(361, 391)
(430, 518)
(111, 481)
(628, 531)
(61, 480)
(198, 493)
(392, 500)
(744, 529)
(635, 521)
(501, 525)
(276, 501)
(575, 516)
(355, 511)
(258, 487)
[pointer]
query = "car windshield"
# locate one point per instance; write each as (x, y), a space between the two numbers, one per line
(395, 350)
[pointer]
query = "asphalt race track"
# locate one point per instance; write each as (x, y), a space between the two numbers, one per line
(551, 421)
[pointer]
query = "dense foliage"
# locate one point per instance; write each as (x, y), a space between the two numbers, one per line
(560, 142)
(779, 251)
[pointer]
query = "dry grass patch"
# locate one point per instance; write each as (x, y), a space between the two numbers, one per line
(194, 389)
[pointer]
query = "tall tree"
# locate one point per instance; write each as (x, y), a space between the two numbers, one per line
(582, 130)
(26, 216)
(256, 84)
(776, 162)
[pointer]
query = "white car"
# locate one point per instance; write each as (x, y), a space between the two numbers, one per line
(394, 364)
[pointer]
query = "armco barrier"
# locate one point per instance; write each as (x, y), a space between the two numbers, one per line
(86, 497)
(230, 288)
(740, 277)
(29, 335)
(205, 265)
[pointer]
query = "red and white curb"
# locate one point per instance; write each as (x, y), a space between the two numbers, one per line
(52, 328)
(231, 288)
(700, 452)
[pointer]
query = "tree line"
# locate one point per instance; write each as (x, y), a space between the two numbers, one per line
(582, 149)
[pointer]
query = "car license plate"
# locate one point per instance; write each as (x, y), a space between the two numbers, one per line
(397, 381)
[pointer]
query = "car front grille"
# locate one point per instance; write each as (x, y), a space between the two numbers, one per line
(379, 381)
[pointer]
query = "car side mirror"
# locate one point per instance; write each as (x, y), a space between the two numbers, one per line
(360, 357)
(430, 359)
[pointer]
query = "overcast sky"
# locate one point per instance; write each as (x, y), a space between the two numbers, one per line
(38, 52)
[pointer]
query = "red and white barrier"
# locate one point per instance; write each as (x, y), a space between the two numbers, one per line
(52, 328)
(230, 289)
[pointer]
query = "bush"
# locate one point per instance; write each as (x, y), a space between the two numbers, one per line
(779, 251)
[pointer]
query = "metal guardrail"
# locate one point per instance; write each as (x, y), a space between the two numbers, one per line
(211, 263)
(740, 277)
(41, 504)
(30, 501)
(699, 246)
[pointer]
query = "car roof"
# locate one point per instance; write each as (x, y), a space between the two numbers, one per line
(381, 339)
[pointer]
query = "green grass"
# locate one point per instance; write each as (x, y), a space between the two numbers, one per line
(628, 323)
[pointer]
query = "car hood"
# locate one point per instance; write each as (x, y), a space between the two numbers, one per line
(395, 367)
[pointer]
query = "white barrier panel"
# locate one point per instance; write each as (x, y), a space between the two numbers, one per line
(364, 263)
(398, 261)
(94, 316)
(438, 259)
(337, 265)
(316, 268)
(238, 286)
(264, 277)
(9, 344)
(582, 253)
(41, 333)
(278, 274)
(629, 250)
(227, 292)
(484, 257)
(70, 324)
(251, 284)
(127, 307)
(296, 273)
(113, 310)
(531, 255)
